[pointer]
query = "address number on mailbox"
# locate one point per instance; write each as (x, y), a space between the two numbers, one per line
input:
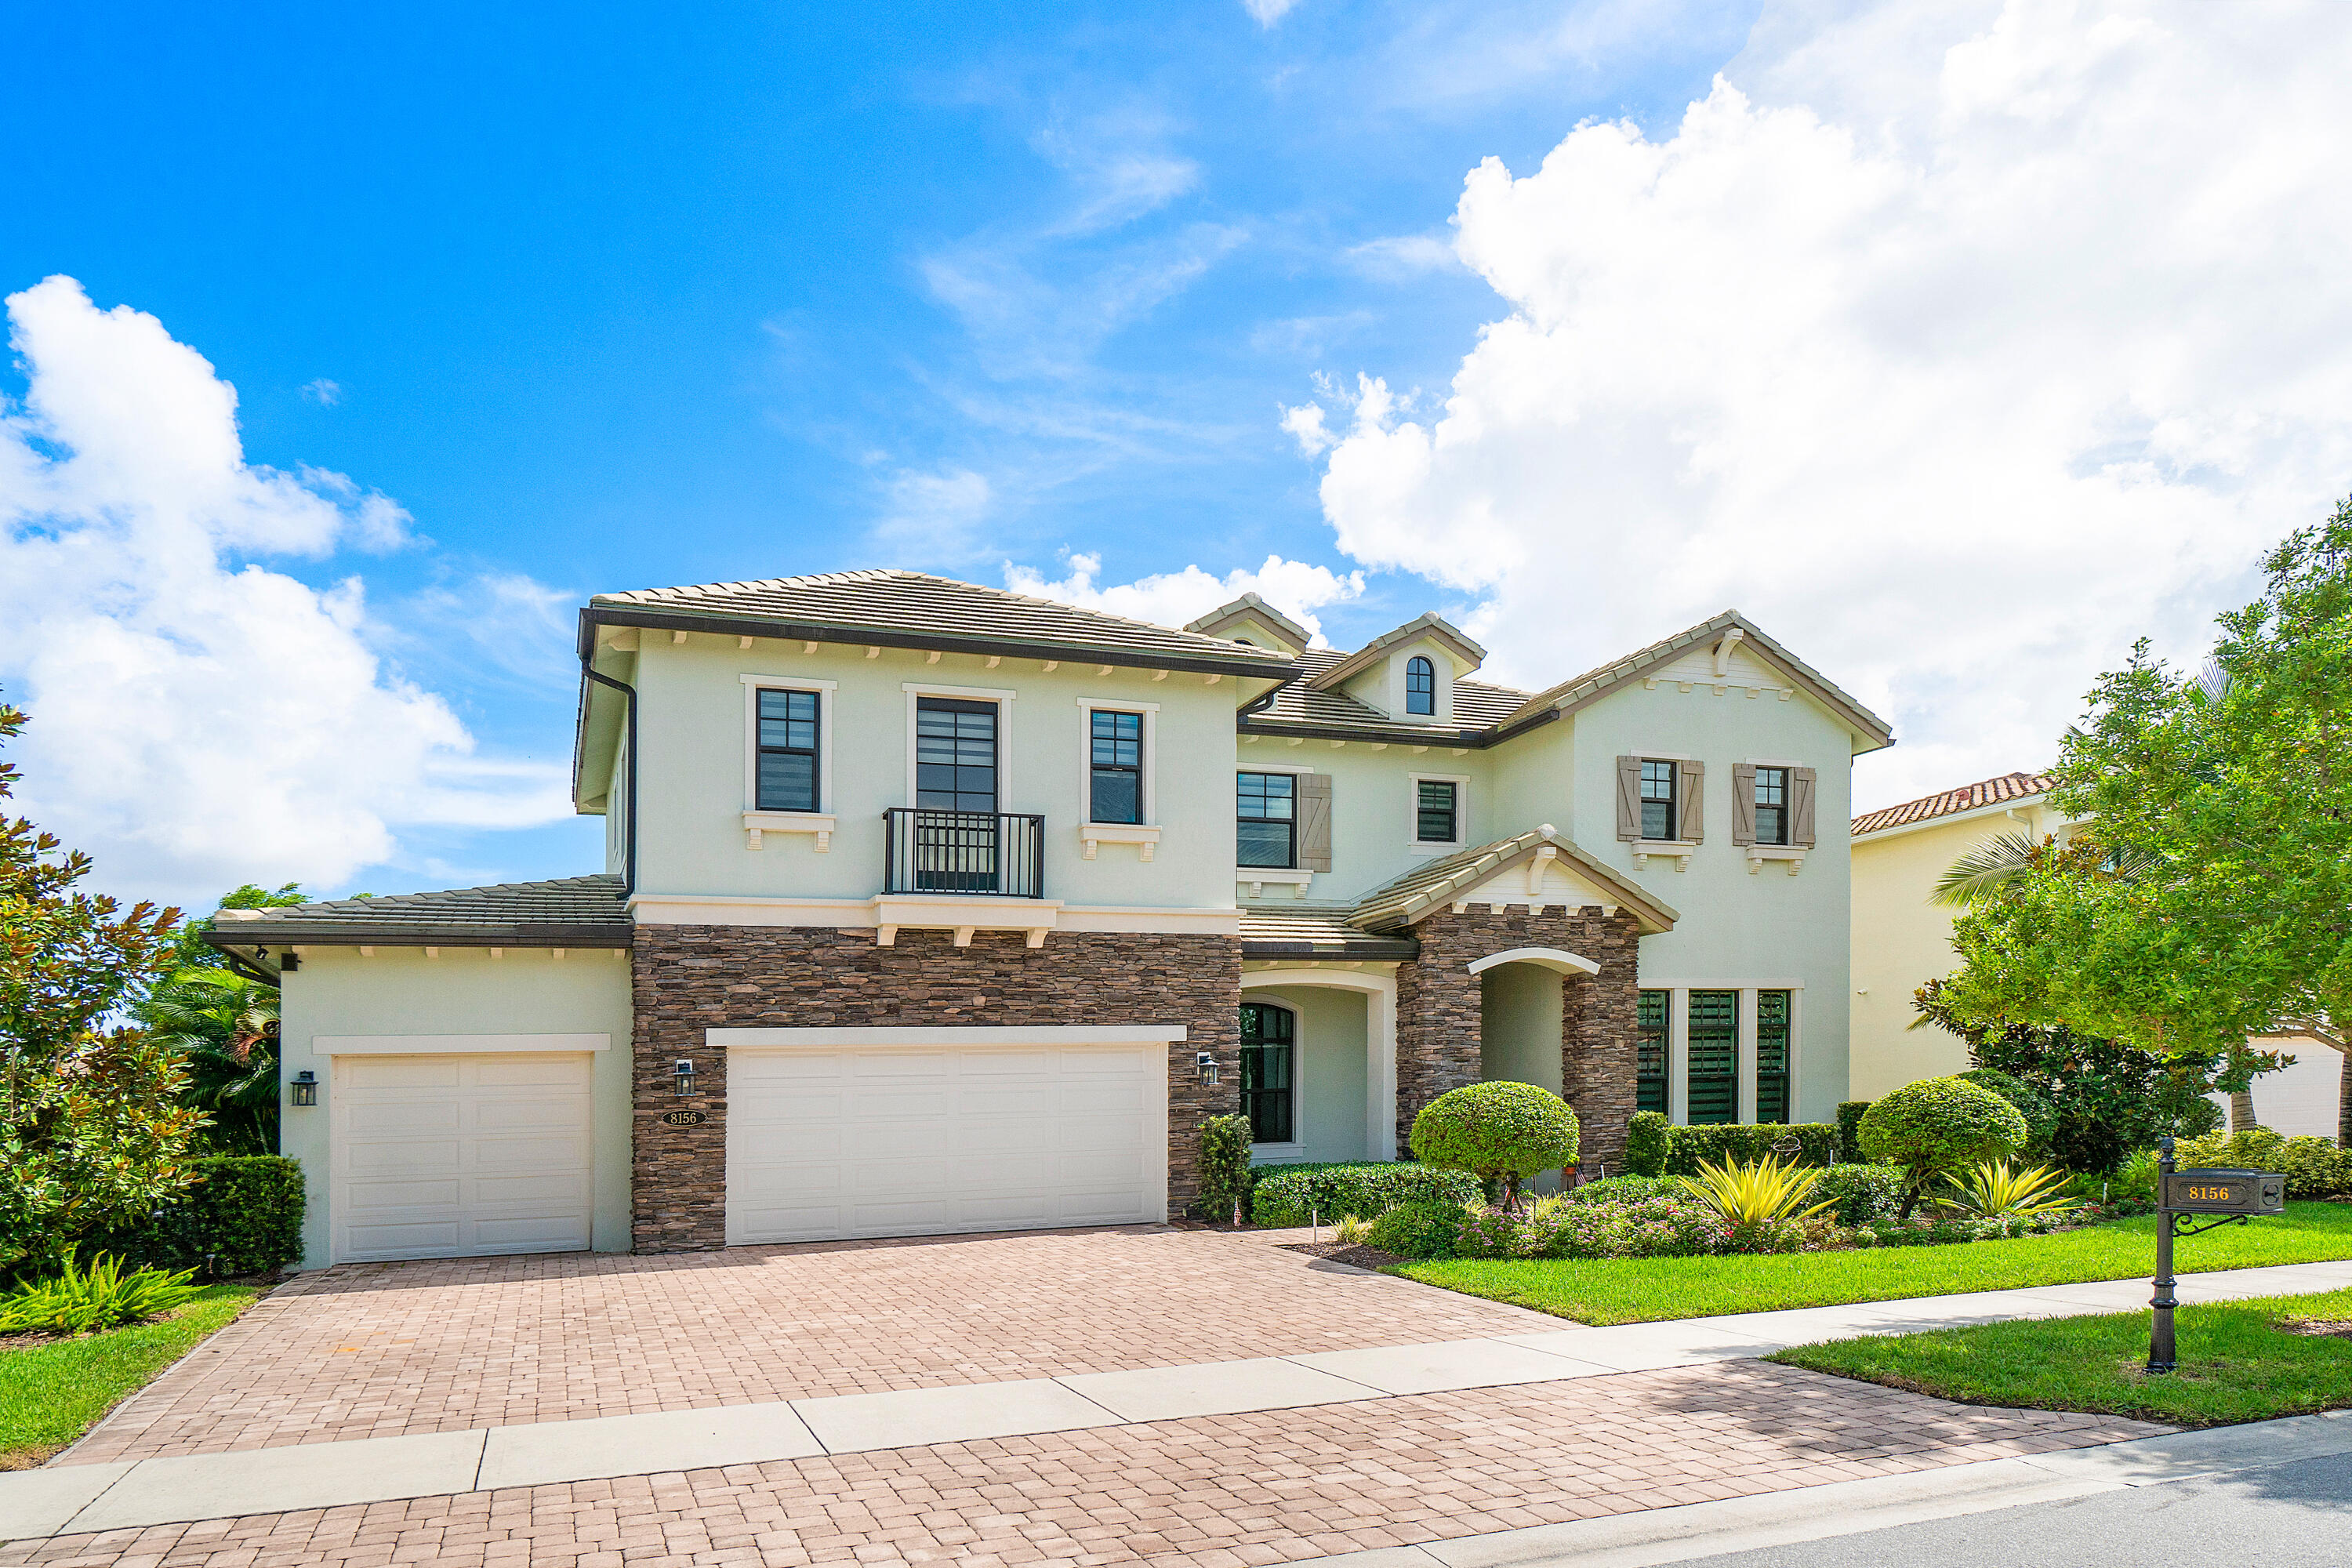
(2225, 1191)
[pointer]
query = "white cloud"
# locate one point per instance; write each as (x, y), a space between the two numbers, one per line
(935, 518)
(1404, 255)
(1267, 13)
(1305, 423)
(1959, 344)
(324, 393)
(1172, 598)
(197, 722)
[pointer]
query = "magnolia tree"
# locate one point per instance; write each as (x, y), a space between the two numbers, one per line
(2209, 899)
(93, 1131)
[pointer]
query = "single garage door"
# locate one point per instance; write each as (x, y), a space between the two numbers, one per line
(888, 1141)
(455, 1156)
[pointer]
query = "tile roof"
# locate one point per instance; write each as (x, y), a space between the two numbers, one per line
(1429, 624)
(1408, 898)
(1242, 608)
(1315, 934)
(919, 610)
(569, 911)
(1476, 706)
(1952, 802)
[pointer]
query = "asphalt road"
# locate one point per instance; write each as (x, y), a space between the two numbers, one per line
(2295, 1515)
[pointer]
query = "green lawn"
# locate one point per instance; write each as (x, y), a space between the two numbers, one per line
(2236, 1362)
(52, 1391)
(1646, 1290)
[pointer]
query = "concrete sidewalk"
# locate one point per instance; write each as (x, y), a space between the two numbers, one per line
(132, 1495)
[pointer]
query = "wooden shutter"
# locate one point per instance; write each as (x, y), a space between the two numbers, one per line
(1743, 803)
(1801, 806)
(1314, 822)
(1629, 798)
(1689, 786)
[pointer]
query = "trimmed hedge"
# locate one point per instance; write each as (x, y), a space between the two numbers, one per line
(2314, 1167)
(243, 1215)
(1289, 1195)
(1849, 1130)
(1224, 1169)
(1745, 1144)
(1865, 1195)
(1649, 1138)
(1420, 1230)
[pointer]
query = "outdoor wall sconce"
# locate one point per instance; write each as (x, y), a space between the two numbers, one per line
(1206, 1062)
(305, 1088)
(685, 1075)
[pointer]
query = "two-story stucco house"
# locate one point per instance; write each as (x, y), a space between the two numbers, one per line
(930, 908)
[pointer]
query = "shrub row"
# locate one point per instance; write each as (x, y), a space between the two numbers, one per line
(242, 1216)
(1289, 1195)
(1656, 1147)
(2314, 1167)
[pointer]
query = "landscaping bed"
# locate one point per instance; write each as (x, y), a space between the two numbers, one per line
(53, 1389)
(2238, 1360)
(1650, 1290)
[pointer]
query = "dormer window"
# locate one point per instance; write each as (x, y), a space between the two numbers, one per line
(1420, 686)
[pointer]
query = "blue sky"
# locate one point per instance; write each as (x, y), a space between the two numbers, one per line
(605, 298)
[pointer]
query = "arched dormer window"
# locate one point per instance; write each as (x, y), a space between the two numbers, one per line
(1420, 686)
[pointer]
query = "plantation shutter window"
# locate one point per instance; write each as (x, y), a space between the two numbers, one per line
(1773, 1012)
(1629, 798)
(1649, 1052)
(1315, 822)
(1691, 822)
(1802, 782)
(1743, 803)
(1713, 1070)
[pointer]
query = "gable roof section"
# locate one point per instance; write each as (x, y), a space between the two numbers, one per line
(1318, 710)
(2003, 790)
(1432, 626)
(569, 911)
(1593, 684)
(1218, 622)
(1424, 888)
(913, 609)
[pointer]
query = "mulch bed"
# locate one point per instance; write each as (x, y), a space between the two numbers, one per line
(1356, 1257)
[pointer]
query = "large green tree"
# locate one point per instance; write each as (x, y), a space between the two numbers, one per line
(2208, 897)
(93, 1128)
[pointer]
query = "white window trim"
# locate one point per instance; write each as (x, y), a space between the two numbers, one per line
(1092, 835)
(916, 690)
(1255, 767)
(1416, 845)
(758, 822)
(1649, 755)
(1678, 1040)
(1773, 762)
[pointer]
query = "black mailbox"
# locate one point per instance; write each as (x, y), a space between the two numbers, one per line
(2225, 1191)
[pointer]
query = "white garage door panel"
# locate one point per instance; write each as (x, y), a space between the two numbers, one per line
(893, 1141)
(460, 1155)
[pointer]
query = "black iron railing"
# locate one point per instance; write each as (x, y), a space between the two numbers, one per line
(963, 852)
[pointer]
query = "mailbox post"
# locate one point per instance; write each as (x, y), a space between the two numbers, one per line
(2235, 1197)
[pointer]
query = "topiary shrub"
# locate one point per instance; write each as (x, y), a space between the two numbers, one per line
(1746, 1142)
(1225, 1169)
(1862, 1194)
(1498, 1132)
(1849, 1130)
(242, 1214)
(1649, 1138)
(1419, 1230)
(1289, 1195)
(1937, 1126)
(2041, 1112)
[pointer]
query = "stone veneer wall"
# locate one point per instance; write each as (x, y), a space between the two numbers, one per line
(689, 979)
(1438, 1014)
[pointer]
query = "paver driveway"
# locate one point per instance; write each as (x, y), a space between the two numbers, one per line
(382, 1349)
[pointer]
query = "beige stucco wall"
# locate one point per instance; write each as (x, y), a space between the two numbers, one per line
(465, 990)
(1519, 1025)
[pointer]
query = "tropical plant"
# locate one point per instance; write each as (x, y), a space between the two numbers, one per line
(1935, 1126)
(1500, 1132)
(1995, 1191)
(1754, 1201)
(1353, 1232)
(93, 1131)
(99, 1297)
(224, 1025)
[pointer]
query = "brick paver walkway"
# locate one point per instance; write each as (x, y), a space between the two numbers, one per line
(1218, 1492)
(387, 1349)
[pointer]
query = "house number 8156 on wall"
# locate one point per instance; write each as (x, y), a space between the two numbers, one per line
(683, 1117)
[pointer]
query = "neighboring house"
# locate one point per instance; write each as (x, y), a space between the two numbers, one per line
(1902, 937)
(931, 907)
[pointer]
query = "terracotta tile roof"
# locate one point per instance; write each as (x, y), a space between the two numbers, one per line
(1423, 889)
(1476, 706)
(1952, 802)
(914, 609)
(569, 911)
(1282, 933)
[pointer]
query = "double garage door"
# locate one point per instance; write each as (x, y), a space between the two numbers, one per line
(460, 1156)
(860, 1140)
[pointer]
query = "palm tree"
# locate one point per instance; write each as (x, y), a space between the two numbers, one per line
(226, 1027)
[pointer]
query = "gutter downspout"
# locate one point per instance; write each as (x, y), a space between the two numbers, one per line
(629, 825)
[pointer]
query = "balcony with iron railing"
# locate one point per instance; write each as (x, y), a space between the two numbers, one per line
(991, 853)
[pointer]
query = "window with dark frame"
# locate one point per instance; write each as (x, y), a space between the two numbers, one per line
(1713, 1070)
(1115, 781)
(1268, 810)
(1773, 1014)
(1649, 1052)
(1270, 1039)
(1771, 806)
(1435, 819)
(788, 740)
(1420, 686)
(1658, 800)
(955, 755)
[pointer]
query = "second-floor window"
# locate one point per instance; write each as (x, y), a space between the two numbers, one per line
(955, 755)
(1771, 806)
(1115, 767)
(1436, 819)
(788, 751)
(1657, 800)
(1268, 810)
(1420, 686)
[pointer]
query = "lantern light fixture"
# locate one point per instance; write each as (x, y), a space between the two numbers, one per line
(305, 1088)
(684, 1073)
(1206, 1063)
